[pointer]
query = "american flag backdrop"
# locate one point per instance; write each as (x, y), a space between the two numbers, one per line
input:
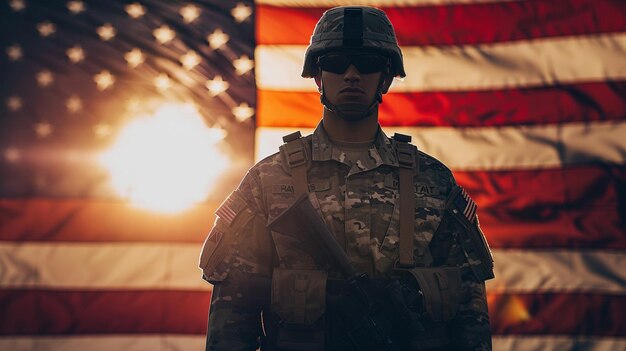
(524, 100)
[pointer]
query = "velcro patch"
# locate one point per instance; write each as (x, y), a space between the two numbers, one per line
(230, 208)
(425, 189)
(465, 205)
(282, 189)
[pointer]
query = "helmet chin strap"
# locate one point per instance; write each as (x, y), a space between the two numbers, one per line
(352, 111)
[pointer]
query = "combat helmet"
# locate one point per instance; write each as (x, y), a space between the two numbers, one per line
(357, 28)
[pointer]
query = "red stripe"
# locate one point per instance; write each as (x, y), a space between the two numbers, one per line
(459, 23)
(558, 104)
(185, 312)
(571, 207)
(582, 207)
(558, 313)
(99, 221)
(103, 312)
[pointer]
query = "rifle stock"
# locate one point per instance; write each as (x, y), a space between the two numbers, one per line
(302, 222)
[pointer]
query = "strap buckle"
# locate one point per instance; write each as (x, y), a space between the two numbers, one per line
(406, 156)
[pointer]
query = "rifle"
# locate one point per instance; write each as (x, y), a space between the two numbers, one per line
(374, 314)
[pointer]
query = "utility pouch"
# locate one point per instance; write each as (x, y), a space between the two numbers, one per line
(441, 289)
(299, 300)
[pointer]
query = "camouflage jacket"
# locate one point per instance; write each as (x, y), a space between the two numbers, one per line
(359, 202)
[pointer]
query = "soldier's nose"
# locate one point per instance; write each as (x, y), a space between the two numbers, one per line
(352, 73)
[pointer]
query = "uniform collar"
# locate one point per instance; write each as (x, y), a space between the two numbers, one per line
(381, 152)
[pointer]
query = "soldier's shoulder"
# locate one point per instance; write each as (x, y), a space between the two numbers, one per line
(435, 171)
(276, 163)
(429, 163)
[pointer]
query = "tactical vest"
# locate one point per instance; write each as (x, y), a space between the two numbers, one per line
(299, 296)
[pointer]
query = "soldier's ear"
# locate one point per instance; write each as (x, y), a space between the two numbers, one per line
(387, 80)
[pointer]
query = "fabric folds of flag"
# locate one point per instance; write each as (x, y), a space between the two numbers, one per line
(526, 102)
(81, 267)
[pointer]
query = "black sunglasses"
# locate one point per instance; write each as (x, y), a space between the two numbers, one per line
(366, 63)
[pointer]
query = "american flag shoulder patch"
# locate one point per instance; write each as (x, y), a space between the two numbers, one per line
(464, 204)
(230, 208)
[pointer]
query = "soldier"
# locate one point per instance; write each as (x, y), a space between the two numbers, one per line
(391, 207)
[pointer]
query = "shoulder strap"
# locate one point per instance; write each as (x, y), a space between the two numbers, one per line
(406, 160)
(296, 161)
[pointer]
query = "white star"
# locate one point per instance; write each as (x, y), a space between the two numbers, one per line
(243, 64)
(46, 28)
(106, 32)
(76, 54)
(133, 105)
(12, 154)
(14, 52)
(135, 10)
(17, 5)
(75, 7)
(217, 85)
(102, 130)
(43, 129)
(134, 57)
(104, 80)
(14, 102)
(241, 12)
(190, 60)
(243, 112)
(44, 78)
(217, 38)
(164, 34)
(190, 13)
(74, 104)
(162, 82)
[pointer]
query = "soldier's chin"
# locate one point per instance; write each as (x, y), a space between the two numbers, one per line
(352, 112)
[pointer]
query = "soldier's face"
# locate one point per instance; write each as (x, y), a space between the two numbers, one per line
(350, 86)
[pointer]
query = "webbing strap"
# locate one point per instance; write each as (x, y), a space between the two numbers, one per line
(406, 161)
(296, 160)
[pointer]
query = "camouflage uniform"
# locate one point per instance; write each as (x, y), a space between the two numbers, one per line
(358, 199)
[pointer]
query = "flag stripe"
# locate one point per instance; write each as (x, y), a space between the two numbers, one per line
(101, 266)
(169, 342)
(539, 62)
(582, 314)
(91, 220)
(522, 271)
(184, 312)
(453, 24)
(152, 266)
(161, 342)
(558, 342)
(502, 148)
(375, 3)
(541, 105)
(103, 312)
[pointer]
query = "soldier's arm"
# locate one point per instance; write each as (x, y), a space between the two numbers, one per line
(236, 259)
(461, 243)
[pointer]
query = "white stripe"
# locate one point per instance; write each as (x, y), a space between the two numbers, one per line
(101, 265)
(174, 266)
(375, 3)
(134, 342)
(499, 148)
(196, 342)
(527, 271)
(556, 343)
(507, 65)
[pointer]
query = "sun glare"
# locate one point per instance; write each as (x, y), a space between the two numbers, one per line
(166, 161)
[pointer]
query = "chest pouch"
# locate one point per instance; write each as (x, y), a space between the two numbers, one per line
(441, 290)
(299, 300)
